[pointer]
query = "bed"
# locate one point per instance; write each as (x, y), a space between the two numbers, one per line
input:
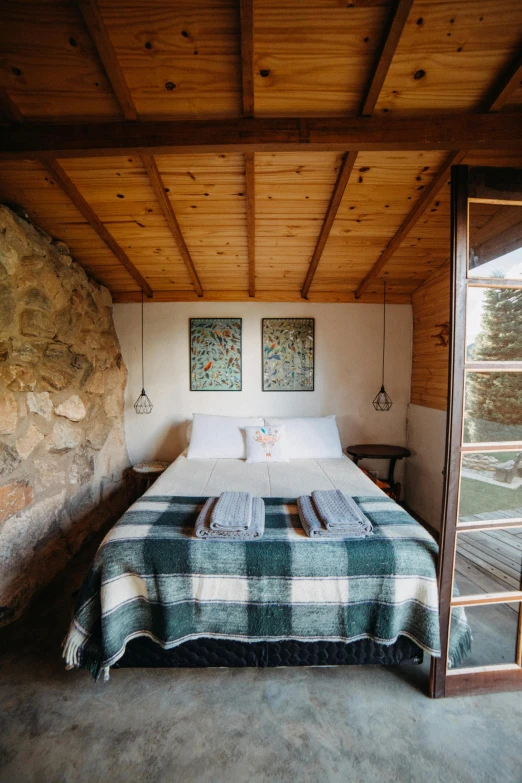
(156, 596)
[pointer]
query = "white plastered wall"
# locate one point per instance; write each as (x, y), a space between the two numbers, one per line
(426, 437)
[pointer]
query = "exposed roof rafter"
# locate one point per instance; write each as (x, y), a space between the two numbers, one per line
(388, 48)
(62, 178)
(247, 56)
(438, 181)
(168, 212)
(506, 85)
(504, 88)
(100, 36)
(9, 108)
(343, 176)
(382, 65)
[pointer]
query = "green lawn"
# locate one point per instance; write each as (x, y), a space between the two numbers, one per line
(503, 456)
(476, 497)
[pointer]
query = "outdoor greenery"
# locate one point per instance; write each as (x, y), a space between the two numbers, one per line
(477, 497)
(494, 400)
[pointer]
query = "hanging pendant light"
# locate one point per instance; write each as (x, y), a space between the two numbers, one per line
(382, 401)
(142, 404)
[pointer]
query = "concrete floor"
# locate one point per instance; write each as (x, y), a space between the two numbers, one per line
(361, 724)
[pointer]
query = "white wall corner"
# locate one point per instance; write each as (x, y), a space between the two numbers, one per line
(426, 438)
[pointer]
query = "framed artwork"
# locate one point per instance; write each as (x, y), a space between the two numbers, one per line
(288, 354)
(215, 354)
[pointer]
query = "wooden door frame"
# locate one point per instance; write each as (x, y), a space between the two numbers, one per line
(458, 264)
(482, 679)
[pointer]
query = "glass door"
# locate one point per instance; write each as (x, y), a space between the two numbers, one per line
(480, 566)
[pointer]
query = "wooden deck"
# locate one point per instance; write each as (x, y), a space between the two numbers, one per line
(489, 562)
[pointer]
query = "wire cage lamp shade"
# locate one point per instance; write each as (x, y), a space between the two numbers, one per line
(382, 400)
(142, 404)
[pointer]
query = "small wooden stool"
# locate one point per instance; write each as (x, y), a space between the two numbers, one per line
(146, 473)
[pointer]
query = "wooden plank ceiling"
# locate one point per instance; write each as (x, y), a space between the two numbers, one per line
(326, 224)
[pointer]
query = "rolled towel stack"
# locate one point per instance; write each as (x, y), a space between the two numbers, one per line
(332, 514)
(234, 516)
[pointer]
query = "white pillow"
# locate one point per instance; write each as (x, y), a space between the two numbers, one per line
(266, 444)
(311, 438)
(219, 437)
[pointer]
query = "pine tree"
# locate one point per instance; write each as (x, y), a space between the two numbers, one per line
(497, 397)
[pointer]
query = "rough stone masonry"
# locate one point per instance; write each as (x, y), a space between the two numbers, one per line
(63, 456)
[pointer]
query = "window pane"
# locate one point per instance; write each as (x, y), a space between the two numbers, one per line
(495, 240)
(490, 486)
(494, 325)
(488, 561)
(494, 629)
(493, 407)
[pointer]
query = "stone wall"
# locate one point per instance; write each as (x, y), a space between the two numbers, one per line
(63, 456)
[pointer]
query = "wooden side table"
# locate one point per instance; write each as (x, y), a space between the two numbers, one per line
(146, 473)
(381, 451)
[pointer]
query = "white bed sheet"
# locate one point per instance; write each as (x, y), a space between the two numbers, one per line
(210, 477)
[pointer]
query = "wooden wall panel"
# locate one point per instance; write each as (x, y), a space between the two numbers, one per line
(314, 57)
(431, 306)
(208, 196)
(382, 189)
(49, 64)
(180, 59)
(120, 193)
(292, 195)
(451, 53)
(28, 185)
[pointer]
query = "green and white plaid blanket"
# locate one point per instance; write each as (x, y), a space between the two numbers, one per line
(152, 577)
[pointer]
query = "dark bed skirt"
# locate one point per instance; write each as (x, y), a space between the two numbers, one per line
(204, 653)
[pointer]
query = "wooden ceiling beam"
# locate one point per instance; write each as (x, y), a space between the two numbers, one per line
(264, 295)
(61, 177)
(69, 188)
(98, 31)
(250, 186)
(169, 214)
(387, 50)
(507, 83)
(247, 56)
(394, 131)
(9, 108)
(440, 179)
(382, 64)
(335, 200)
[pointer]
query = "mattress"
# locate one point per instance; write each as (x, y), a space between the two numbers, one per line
(210, 477)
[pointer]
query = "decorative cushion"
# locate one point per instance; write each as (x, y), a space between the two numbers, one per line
(219, 437)
(310, 438)
(266, 444)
